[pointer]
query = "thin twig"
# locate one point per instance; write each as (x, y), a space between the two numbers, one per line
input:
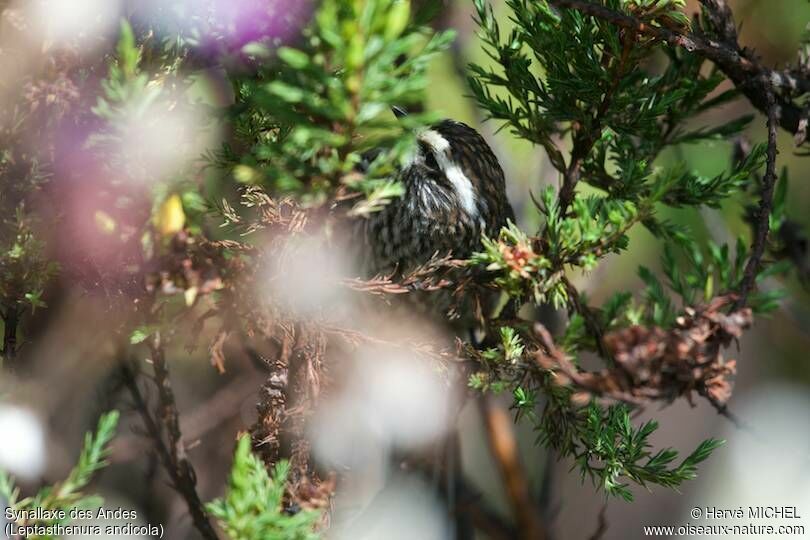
(589, 316)
(584, 143)
(430, 350)
(11, 319)
(601, 524)
(130, 380)
(171, 453)
(722, 410)
(735, 62)
(431, 276)
(504, 449)
(791, 309)
(762, 223)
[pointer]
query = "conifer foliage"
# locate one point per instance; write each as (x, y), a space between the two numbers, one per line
(608, 90)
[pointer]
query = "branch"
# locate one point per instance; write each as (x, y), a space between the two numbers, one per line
(717, 52)
(601, 524)
(755, 81)
(584, 143)
(11, 319)
(736, 63)
(172, 455)
(272, 406)
(656, 364)
(434, 351)
(504, 449)
(762, 218)
(287, 399)
(431, 276)
(589, 316)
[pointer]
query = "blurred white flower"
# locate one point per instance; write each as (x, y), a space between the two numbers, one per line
(23, 452)
(160, 142)
(342, 436)
(406, 400)
(76, 22)
(765, 466)
(308, 280)
(390, 402)
(771, 465)
(406, 509)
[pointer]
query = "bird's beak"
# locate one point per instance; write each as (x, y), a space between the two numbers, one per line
(399, 112)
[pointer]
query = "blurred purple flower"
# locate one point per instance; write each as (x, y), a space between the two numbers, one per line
(100, 213)
(226, 26)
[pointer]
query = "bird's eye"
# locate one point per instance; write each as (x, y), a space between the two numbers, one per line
(430, 161)
(430, 158)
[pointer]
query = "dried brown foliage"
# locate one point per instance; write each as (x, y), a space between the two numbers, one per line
(656, 364)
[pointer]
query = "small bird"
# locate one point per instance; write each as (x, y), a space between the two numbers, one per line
(454, 192)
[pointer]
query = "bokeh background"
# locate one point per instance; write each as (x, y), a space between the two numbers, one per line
(48, 404)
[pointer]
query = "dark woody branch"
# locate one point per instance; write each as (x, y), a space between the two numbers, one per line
(768, 90)
(170, 449)
(585, 140)
(656, 364)
(737, 63)
(11, 319)
(763, 212)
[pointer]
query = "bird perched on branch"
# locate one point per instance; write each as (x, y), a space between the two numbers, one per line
(454, 192)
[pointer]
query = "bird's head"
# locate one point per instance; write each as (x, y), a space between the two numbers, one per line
(455, 158)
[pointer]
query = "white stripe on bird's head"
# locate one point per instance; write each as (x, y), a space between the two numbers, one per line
(463, 187)
(435, 141)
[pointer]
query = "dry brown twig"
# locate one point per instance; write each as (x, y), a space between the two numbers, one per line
(653, 364)
(432, 276)
(762, 218)
(354, 338)
(172, 452)
(601, 524)
(287, 398)
(283, 213)
(504, 448)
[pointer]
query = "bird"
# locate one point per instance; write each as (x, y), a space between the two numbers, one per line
(454, 192)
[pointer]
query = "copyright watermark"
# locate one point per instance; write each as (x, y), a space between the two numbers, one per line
(740, 521)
